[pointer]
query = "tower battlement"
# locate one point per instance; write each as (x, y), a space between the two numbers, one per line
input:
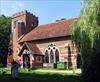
(22, 13)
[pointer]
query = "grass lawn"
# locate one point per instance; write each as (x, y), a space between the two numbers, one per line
(38, 76)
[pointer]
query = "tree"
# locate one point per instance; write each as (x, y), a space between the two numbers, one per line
(86, 35)
(5, 24)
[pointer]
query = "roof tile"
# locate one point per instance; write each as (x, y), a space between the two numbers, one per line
(57, 29)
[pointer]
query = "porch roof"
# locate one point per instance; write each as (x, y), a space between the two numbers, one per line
(32, 48)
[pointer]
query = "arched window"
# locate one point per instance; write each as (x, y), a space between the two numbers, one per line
(57, 55)
(51, 54)
(46, 59)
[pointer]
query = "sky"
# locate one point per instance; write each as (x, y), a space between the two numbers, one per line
(46, 10)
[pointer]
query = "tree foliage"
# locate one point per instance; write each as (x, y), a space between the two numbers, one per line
(5, 24)
(86, 35)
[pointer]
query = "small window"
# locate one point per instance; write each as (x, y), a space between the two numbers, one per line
(39, 59)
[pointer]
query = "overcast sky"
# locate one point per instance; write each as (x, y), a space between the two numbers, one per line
(47, 10)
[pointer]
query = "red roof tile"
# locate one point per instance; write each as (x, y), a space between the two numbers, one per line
(33, 48)
(57, 29)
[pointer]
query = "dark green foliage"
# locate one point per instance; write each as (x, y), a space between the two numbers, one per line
(5, 26)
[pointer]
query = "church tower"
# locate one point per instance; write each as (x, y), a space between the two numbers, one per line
(22, 23)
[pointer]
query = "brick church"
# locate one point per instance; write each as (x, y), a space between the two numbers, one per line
(41, 45)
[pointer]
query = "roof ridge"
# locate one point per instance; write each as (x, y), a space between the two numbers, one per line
(50, 30)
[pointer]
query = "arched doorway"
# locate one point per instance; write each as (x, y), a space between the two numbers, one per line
(24, 56)
(26, 59)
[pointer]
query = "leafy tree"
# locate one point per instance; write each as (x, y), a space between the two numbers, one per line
(5, 24)
(86, 35)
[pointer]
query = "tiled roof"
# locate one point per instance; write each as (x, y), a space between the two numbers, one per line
(34, 49)
(57, 29)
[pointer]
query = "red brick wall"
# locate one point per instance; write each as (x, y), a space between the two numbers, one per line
(34, 63)
(60, 43)
(26, 23)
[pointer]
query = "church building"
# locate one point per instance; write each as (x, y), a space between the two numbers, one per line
(41, 45)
